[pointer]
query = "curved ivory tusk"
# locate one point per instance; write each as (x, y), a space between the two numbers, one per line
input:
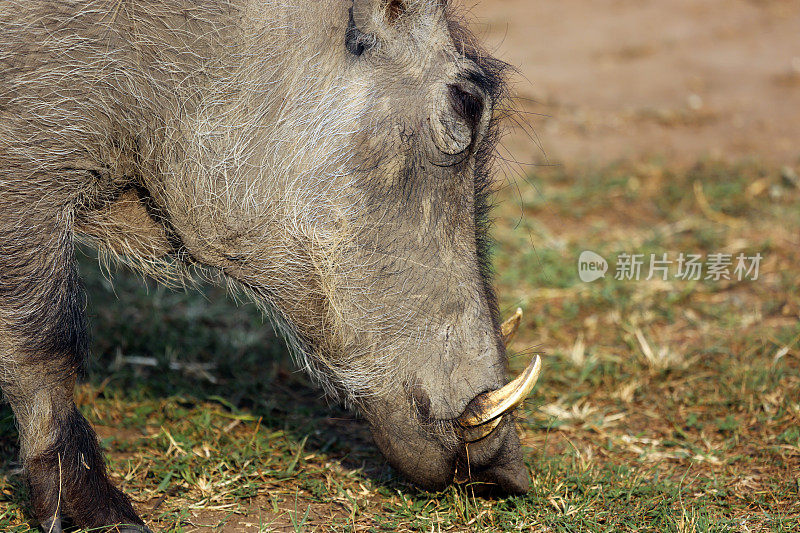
(496, 403)
(510, 326)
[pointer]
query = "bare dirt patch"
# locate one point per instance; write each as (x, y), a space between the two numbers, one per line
(636, 78)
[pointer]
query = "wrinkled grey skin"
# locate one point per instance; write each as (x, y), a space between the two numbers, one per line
(329, 158)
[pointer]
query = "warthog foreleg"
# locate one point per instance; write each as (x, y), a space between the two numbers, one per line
(42, 347)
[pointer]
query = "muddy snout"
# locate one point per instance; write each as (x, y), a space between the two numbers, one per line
(459, 118)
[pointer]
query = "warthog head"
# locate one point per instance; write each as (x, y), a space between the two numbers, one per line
(333, 159)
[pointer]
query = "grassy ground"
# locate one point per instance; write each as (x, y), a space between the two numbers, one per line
(663, 405)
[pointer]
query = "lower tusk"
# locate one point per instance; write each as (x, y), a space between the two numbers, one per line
(472, 434)
(510, 326)
(492, 405)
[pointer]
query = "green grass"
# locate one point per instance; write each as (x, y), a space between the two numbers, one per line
(663, 406)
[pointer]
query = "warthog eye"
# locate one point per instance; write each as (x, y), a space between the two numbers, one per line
(356, 41)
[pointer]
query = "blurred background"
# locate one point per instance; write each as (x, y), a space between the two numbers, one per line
(657, 128)
(681, 79)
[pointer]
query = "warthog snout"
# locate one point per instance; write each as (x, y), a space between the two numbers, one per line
(480, 444)
(495, 460)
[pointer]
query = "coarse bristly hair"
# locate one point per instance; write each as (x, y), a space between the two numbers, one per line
(214, 139)
(224, 121)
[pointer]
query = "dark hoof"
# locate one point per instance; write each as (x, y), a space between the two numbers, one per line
(53, 525)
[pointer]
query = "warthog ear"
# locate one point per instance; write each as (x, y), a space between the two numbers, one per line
(391, 10)
(395, 9)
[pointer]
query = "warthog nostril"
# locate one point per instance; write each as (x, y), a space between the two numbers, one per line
(467, 105)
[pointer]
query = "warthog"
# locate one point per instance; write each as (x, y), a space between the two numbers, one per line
(330, 158)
